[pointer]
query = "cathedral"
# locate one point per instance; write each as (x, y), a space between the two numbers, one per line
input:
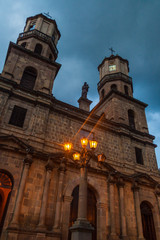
(53, 184)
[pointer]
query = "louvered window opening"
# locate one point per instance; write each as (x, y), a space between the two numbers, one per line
(28, 78)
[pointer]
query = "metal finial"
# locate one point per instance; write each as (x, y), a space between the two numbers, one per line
(112, 51)
(47, 15)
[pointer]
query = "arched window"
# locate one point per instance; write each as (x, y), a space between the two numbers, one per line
(29, 78)
(147, 221)
(131, 118)
(6, 185)
(38, 48)
(126, 89)
(91, 210)
(32, 26)
(102, 93)
(23, 44)
(114, 86)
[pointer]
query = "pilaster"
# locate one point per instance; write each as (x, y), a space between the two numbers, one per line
(62, 170)
(121, 185)
(113, 235)
(15, 220)
(49, 168)
(136, 189)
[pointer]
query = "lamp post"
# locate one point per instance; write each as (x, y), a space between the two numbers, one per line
(82, 229)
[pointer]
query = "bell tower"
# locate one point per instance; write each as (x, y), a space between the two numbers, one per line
(31, 62)
(113, 73)
(41, 36)
(116, 95)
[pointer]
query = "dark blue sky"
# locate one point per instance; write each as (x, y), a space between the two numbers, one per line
(88, 29)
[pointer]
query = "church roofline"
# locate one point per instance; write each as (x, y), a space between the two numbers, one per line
(113, 57)
(48, 19)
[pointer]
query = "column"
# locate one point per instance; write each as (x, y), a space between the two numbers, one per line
(41, 224)
(66, 216)
(157, 193)
(82, 229)
(101, 220)
(62, 170)
(82, 201)
(27, 163)
(122, 210)
(138, 212)
(113, 234)
(27, 27)
(39, 23)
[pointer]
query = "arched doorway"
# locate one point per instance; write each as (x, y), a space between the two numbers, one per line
(147, 221)
(91, 210)
(6, 184)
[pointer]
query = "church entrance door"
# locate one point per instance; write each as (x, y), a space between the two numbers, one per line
(147, 221)
(5, 192)
(91, 210)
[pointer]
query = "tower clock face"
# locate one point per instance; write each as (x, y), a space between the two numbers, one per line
(112, 68)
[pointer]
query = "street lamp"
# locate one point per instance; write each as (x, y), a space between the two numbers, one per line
(82, 229)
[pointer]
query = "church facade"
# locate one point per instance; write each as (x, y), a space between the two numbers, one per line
(39, 184)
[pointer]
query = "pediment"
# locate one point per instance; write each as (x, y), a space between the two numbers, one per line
(104, 166)
(12, 142)
(109, 168)
(145, 179)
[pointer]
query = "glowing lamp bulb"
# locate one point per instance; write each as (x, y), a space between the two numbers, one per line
(76, 156)
(84, 142)
(93, 144)
(67, 146)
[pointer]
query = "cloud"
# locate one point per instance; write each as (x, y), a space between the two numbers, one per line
(71, 77)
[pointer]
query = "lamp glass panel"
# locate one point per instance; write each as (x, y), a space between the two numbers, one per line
(76, 156)
(84, 142)
(93, 144)
(67, 146)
